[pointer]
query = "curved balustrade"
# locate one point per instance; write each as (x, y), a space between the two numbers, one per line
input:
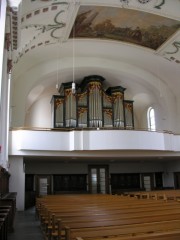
(89, 129)
(73, 139)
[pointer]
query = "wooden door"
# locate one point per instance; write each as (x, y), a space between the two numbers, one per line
(99, 179)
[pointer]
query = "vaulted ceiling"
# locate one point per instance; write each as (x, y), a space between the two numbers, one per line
(132, 43)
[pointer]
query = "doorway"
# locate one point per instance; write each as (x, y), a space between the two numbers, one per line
(177, 180)
(147, 181)
(43, 185)
(98, 179)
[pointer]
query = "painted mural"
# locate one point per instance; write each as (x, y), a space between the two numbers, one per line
(126, 25)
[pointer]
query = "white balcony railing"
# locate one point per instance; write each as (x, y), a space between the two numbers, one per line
(25, 141)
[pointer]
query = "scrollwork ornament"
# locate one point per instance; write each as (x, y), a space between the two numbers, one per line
(158, 6)
(126, 2)
(176, 46)
(144, 1)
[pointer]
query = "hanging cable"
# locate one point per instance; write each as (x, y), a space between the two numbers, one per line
(73, 70)
(58, 66)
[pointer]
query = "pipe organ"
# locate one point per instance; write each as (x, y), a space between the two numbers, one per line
(91, 106)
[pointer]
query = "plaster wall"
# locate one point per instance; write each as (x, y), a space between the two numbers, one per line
(42, 77)
(17, 180)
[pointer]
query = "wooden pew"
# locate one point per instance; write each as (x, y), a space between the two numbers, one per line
(172, 235)
(137, 209)
(89, 223)
(112, 219)
(9, 201)
(157, 194)
(121, 231)
(128, 203)
(7, 205)
(3, 225)
(7, 210)
(2, 228)
(105, 213)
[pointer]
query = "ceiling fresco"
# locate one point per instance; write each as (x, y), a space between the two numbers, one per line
(126, 25)
(151, 24)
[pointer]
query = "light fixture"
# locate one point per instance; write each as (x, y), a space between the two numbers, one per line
(73, 88)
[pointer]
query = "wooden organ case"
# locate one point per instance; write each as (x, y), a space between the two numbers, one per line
(91, 106)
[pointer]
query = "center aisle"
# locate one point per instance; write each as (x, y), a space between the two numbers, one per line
(26, 226)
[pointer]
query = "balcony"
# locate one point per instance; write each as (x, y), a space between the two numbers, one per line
(52, 142)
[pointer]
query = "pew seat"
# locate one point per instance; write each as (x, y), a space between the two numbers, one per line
(98, 233)
(91, 217)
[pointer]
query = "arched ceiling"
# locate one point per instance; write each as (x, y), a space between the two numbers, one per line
(133, 43)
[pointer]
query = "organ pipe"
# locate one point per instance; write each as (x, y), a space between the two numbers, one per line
(92, 106)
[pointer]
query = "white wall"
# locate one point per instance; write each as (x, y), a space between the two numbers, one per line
(39, 115)
(2, 33)
(178, 114)
(4, 86)
(169, 117)
(17, 180)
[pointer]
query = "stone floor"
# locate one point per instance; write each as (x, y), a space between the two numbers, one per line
(26, 226)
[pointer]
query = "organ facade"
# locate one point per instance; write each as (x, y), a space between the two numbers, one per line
(91, 106)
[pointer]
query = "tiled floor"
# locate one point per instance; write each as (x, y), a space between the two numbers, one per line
(26, 227)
